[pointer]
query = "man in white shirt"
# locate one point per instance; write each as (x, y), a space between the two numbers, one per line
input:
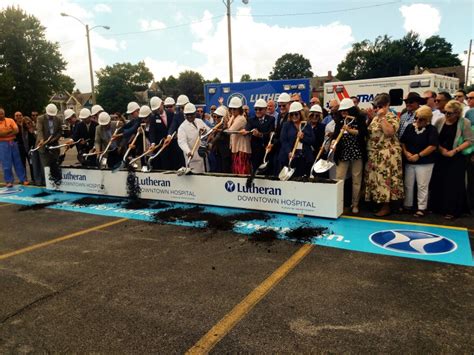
(189, 133)
(430, 98)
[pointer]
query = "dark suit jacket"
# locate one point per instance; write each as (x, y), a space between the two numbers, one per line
(42, 126)
(158, 129)
(81, 131)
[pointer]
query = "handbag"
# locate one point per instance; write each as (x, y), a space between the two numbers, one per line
(469, 150)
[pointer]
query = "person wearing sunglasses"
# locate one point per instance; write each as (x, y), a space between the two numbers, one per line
(412, 102)
(239, 142)
(296, 127)
(220, 156)
(448, 189)
(284, 101)
(441, 100)
(259, 126)
(419, 143)
(383, 171)
(460, 96)
(315, 118)
(351, 149)
(430, 97)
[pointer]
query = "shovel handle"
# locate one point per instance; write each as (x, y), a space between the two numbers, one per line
(195, 146)
(108, 144)
(297, 141)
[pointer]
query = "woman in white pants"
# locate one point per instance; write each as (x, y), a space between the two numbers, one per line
(419, 142)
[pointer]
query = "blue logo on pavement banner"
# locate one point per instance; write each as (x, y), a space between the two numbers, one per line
(413, 242)
(230, 186)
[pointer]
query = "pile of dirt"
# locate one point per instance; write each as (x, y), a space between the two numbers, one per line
(304, 234)
(136, 204)
(133, 188)
(88, 201)
(42, 194)
(160, 205)
(265, 235)
(213, 221)
(38, 206)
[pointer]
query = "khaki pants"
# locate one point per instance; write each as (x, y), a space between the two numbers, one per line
(357, 169)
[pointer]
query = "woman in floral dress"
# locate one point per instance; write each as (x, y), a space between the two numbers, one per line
(383, 172)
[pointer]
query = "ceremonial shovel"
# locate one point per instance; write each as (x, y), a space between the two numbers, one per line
(102, 159)
(262, 166)
(147, 168)
(186, 170)
(321, 166)
(287, 172)
(123, 162)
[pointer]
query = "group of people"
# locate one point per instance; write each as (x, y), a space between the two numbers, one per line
(428, 146)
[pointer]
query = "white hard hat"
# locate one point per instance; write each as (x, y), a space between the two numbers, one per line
(316, 108)
(104, 118)
(96, 109)
(296, 107)
(189, 108)
(346, 104)
(169, 101)
(145, 111)
(182, 100)
(155, 103)
(235, 102)
(68, 113)
(132, 107)
(84, 113)
(284, 98)
(51, 110)
(260, 103)
(220, 111)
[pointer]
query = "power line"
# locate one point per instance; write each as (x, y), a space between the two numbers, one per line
(322, 12)
(163, 28)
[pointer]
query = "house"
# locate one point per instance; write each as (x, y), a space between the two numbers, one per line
(458, 71)
(75, 101)
(317, 84)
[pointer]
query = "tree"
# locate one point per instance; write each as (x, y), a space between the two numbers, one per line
(291, 66)
(30, 66)
(387, 57)
(66, 83)
(245, 77)
(169, 87)
(118, 83)
(191, 84)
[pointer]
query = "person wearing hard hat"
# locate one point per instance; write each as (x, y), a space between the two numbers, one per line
(71, 118)
(9, 152)
(292, 129)
(239, 142)
(49, 130)
(351, 149)
(176, 157)
(95, 111)
(130, 128)
(170, 105)
(103, 135)
(85, 133)
(284, 101)
(315, 118)
(188, 133)
(260, 127)
(158, 131)
(220, 157)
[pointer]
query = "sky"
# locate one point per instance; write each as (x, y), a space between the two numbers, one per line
(172, 36)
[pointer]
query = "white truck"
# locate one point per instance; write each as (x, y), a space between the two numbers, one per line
(397, 87)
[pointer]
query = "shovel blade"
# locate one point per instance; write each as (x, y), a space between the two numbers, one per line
(145, 169)
(321, 166)
(286, 174)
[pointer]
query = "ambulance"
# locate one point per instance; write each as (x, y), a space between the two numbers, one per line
(397, 87)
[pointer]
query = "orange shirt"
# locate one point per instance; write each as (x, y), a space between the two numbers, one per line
(8, 125)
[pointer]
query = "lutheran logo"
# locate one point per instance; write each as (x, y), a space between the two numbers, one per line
(230, 186)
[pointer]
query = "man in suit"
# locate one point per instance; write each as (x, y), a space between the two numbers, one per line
(260, 126)
(176, 157)
(85, 131)
(49, 131)
(159, 123)
(103, 135)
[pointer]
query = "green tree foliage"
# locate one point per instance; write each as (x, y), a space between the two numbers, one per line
(191, 84)
(30, 66)
(291, 66)
(118, 83)
(169, 87)
(387, 57)
(245, 77)
(66, 83)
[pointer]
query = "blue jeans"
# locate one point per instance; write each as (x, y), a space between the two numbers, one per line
(10, 157)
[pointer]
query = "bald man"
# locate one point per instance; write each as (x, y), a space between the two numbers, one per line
(333, 107)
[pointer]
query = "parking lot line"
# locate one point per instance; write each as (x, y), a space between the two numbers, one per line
(230, 320)
(60, 239)
(404, 222)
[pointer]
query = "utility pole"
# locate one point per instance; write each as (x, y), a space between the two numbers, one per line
(90, 65)
(468, 62)
(229, 39)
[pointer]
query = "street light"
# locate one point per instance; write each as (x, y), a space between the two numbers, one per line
(227, 4)
(91, 73)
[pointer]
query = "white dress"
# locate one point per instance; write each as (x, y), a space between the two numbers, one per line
(187, 135)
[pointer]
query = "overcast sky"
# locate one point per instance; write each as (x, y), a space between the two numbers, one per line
(172, 36)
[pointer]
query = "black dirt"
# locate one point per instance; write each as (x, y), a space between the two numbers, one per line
(38, 206)
(42, 194)
(314, 179)
(160, 205)
(133, 188)
(55, 174)
(304, 234)
(136, 204)
(88, 201)
(214, 221)
(266, 235)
